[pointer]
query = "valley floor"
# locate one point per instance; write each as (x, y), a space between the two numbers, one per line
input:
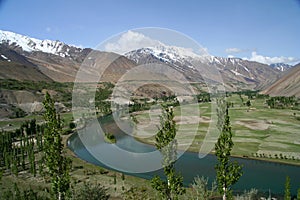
(259, 132)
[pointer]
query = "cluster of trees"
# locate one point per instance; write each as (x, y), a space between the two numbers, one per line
(251, 94)
(35, 145)
(144, 104)
(110, 138)
(203, 97)
(101, 96)
(137, 105)
(17, 112)
(282, 102)
(18, 148)
(11, 84)
(16, 193)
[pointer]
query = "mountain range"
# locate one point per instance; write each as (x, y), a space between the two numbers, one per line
(236, 73)
(26, 58)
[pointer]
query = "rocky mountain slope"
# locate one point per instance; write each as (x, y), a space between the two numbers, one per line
(56, 60)
(288, 85)
(281, 66)
(16, 66)
(236, 73)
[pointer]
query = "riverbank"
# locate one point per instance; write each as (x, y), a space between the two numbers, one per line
(273, 160)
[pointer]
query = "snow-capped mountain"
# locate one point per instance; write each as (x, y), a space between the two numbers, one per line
(236, 72)
(281, 66)
(53, 59)
(167, 54)
(29, 44)
(60, 61)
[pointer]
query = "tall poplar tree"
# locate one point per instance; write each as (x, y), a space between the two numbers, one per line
(287, 191)
(228, 172)
(167, 145)
(58, 166)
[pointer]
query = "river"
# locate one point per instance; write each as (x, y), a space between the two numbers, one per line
(261, 175)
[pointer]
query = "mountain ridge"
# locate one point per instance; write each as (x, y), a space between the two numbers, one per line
(61, 61)
(236, 72)
(30, 44)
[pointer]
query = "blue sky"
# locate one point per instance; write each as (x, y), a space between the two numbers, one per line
(266, 30)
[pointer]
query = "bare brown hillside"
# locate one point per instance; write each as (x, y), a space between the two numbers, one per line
(288, 85)
(16, 66)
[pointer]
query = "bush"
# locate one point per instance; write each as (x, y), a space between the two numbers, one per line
(90, 192)
(249, 195)
(72, 125)
(136, 193)
(200, 187)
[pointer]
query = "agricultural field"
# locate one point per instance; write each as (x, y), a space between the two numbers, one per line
(258, 131)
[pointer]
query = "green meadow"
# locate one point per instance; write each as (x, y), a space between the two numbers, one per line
(258, 131)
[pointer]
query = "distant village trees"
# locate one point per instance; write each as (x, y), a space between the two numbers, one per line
(282, 102)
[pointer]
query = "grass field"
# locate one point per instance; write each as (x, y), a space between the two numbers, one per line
(258, 131)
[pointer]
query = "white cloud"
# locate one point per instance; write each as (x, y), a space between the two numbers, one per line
(237, 50)
(130, 41)
(78, 46)
(234, 50)
(269, 60)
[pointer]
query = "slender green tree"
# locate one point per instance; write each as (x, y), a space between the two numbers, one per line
(167, 145)
(298, 194)
(17, 192)
(14, 166)
(1, 174)
(228, 172)
(58, 166)
(287, 189)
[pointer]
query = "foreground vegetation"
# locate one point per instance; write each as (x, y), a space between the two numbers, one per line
(259, 131)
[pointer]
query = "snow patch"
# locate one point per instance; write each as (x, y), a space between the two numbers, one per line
(4, 57)
(236, 73)
(31, 44)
